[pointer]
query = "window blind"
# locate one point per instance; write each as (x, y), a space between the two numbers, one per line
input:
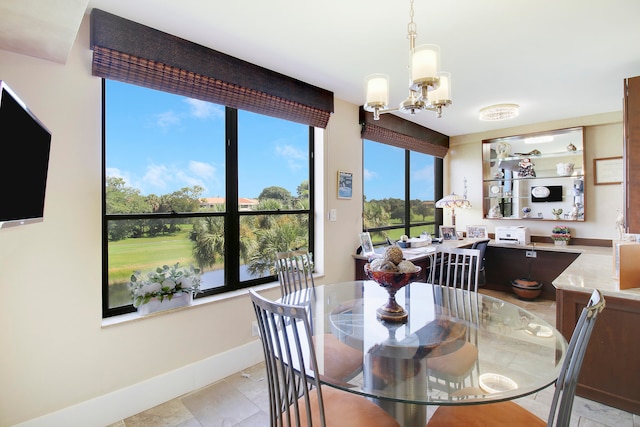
(133, 53)
(396, 131)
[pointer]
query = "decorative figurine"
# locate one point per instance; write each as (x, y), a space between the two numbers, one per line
(557, 212)
(526, 168)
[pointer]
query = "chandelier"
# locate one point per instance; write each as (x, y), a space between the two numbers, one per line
(429, 88)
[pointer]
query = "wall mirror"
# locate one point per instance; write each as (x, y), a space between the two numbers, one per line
(537, 176)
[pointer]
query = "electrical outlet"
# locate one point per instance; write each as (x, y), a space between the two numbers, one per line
(531, 254)
(254, 329)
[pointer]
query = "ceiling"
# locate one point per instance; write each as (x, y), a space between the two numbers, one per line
(556, 59)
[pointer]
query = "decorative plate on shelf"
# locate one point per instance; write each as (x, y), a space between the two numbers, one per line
(540, 191)
(495, 189)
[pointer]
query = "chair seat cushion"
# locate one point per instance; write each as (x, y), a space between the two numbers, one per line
(341, 361)
(455, 364)
(348, 409)
(492, 414)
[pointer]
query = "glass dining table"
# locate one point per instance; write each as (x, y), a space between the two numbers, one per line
(455, 347)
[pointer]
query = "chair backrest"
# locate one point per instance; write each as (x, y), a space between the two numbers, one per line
(295, 271)
(458, 267)
(481, 245)
(564, 395)
(288, 352)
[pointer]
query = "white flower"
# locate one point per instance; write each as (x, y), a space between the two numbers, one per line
(169, 284)
(163, 283)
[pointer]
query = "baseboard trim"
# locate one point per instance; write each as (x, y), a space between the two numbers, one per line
(123, 403)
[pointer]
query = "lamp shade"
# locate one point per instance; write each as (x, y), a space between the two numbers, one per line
(453, 201)
(441, 95)
(425, 65)
(377, 90)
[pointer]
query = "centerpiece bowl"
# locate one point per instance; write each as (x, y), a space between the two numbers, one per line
(391, 311)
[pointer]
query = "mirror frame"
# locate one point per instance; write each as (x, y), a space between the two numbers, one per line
(535, 176)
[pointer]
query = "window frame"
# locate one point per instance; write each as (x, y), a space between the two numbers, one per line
(232, 215)
(407, 225)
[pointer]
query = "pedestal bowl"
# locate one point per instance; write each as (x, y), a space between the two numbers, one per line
(391, 311)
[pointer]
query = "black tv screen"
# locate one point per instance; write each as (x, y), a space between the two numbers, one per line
(546, 193)
(24, 161)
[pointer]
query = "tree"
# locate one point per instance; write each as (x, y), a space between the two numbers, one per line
(276, 193)
(121, 199)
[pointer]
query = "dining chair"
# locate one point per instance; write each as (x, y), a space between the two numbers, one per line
(512, 414)
(458, 269)
(295, 271)
(296, 396)
(295, 274)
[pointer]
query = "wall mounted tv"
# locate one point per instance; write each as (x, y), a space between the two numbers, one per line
(24, 161)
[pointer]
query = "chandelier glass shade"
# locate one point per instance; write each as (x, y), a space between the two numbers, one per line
(429, 88)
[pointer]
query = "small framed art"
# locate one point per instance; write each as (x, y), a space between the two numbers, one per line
(448, 233)
(476, 232)
(607, 170)
(345, 185)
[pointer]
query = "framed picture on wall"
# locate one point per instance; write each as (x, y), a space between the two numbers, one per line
(345, 185)
(476, 232)
(448, 233)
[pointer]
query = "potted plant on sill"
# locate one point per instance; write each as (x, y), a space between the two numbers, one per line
(165, 288)
(561, 235)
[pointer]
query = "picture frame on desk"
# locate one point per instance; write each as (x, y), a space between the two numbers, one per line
(448, 233)
(476, 232)
(365, 244)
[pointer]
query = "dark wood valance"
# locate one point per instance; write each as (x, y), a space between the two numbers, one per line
(396, 131)
(127, 51)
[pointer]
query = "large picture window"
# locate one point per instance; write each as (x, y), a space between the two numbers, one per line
(198, 183)
(399, 192)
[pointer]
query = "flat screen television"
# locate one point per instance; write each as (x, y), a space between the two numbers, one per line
(24, 161)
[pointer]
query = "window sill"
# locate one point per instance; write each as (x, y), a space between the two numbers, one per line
(133, 317)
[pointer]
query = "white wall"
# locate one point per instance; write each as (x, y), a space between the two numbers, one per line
(59, 364)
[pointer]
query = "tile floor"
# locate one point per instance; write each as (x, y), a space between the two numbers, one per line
(241, 400)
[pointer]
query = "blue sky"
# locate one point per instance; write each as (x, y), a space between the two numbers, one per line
(159, 143)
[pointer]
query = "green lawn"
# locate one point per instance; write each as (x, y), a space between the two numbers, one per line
(147, 253)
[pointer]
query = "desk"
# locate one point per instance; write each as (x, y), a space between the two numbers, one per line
(511, 342)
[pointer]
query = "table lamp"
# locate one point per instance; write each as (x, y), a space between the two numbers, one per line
(453, 201)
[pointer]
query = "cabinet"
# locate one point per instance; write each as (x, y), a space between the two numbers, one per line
(632, 152)
(609, 373)
(537, 176)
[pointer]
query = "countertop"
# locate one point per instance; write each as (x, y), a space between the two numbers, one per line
(592, 269)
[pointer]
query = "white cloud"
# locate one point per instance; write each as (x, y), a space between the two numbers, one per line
(167, 119)
(424, 174)
(369, 175)
(201, 169)
(295, 157)
(157, 176)
(204, 110)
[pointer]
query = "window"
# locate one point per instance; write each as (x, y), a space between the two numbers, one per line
(198, 183)
(399, 192)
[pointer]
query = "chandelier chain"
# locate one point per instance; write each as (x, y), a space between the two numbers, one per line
(411, 28)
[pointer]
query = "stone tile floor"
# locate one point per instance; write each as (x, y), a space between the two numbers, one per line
(241, 400)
